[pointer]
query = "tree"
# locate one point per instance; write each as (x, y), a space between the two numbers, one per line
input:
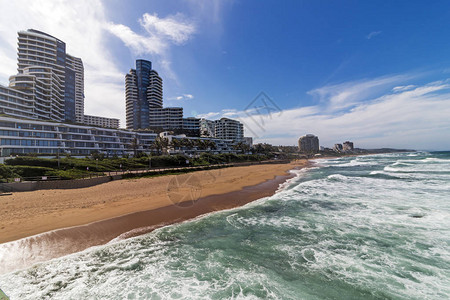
(243, 147)
(160, 144)
(134, 145)
(175, 143)
(187, 143)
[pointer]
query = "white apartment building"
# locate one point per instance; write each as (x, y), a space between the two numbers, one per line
(166, 118)
(207, 128)
(45, 138)
(228, 129)
(101, 121)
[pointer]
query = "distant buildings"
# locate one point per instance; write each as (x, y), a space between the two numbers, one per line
(308, 144)
(144, 109)
(344, 147)
(338, 147)
(347, 146)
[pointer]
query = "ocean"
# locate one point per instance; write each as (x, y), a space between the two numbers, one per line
(367, 227)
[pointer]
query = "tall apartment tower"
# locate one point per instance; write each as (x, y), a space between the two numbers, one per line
(75, 64)
(49, 76)
(143, 91)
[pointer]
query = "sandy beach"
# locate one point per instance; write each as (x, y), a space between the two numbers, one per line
(67, 221)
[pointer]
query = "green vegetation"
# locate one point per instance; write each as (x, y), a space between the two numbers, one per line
(74, 168)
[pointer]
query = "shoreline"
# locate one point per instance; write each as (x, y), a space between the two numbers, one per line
(230, 188)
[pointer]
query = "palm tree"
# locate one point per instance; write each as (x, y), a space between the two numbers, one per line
(200, 144)
(210, 144)
(134, 145)
(175, 143)
(160, 144)
(187, 143)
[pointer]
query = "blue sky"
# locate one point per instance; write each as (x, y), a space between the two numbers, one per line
(374, 72)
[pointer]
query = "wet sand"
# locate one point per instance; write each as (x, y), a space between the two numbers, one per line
(40, 225)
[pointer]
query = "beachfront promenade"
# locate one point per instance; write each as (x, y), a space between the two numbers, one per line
(95, 178)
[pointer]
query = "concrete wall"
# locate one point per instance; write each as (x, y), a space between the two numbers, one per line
(55, 184)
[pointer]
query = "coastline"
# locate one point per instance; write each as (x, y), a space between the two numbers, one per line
(57, 225)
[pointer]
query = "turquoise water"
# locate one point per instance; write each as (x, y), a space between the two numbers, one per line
(372, 227)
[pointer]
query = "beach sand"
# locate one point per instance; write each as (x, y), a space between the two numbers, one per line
(67, 221)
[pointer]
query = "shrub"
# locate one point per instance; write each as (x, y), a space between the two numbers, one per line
(7, 172)
(31, 171)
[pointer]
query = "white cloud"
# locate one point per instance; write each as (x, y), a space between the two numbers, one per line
(138, 43)
(210, 115)
(176, 28)
(373, 34)
(345, 95)
(160, 35)
(416, 118)
(403, 88)
(182, 97)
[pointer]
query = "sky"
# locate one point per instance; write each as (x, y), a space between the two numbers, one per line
(373, 72)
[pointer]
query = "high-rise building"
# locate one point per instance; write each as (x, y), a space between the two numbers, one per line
(155, 90)
(75, 64)
(52, 77)
(143, 91)
(49, 84)
(308, 144)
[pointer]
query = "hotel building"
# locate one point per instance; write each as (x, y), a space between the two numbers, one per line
(45, 138)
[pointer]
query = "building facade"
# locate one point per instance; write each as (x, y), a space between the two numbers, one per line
(76, 65)
(191, 124)
(49, 84)
(101, 121)
(207, 128)
(347, 146)
(43, 138)
(308, 144)
(17, 103)
(228, 129)
(166, 118)
(143, 91)
(338, 147)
